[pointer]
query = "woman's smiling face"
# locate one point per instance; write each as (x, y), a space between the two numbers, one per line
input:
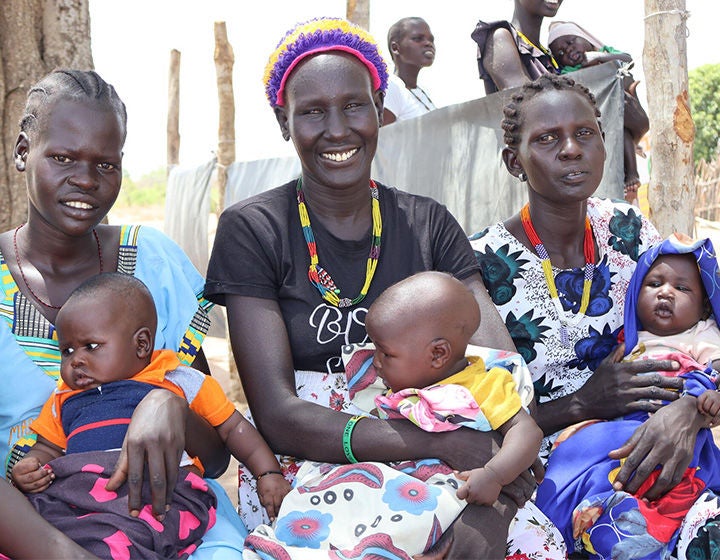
(333, 117)
(73, 163)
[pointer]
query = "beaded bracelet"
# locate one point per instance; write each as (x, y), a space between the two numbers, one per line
(347, 434)
(258, 477)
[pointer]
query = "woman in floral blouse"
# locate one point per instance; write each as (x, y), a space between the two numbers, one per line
(558, 271)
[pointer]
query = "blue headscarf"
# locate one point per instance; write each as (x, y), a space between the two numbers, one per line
(676, 244)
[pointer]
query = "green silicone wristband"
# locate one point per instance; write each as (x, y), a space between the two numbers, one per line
(347, 434)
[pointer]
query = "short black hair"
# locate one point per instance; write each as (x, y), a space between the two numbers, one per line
(397, 31)
(131, 293)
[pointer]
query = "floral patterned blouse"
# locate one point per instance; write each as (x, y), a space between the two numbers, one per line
(514, 277)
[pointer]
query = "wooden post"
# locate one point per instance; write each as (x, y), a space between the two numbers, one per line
(173, 117)
(358, 12)
(224, 61)
(672, 132)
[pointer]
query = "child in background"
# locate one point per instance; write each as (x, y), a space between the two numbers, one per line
(575, 48)
(670, 309)
(421, 328)
(412, 48)
(107, 366)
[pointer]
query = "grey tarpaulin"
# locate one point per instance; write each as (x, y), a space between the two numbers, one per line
(451, 154)
(187, 206)
(247, 178)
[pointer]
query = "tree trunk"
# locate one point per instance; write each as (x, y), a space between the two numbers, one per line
(36, 36)
(173, 118)
(672, 189)
(358, 12)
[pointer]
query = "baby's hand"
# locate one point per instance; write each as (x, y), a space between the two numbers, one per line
(271, 489)
(481, 487)
(30, 476)
(709, 404)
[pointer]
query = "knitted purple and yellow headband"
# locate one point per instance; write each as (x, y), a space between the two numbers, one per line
(316, 36)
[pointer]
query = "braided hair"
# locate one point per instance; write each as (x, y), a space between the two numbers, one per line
(514, 117)
(73, 84)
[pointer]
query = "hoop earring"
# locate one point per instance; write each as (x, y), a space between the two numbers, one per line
(522, 176)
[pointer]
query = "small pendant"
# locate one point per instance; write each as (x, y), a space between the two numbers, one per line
(564, 337)
(345, 302)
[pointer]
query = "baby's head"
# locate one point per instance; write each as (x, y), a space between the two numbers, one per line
(672, 296)
(569, 42)
(421, 327)
(106, 330)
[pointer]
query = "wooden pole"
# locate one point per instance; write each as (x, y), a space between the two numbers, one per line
(672, 132)
(224, 60)
(173, 117)
(358, 12)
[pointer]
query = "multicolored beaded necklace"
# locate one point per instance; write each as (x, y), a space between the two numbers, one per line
(588, 252)
(318, 276)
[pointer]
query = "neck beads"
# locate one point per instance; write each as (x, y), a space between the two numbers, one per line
(318, 276)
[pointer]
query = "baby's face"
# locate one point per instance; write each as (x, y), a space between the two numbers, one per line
(672, 297)
(569, 50)
(96, 344)
(401, 356)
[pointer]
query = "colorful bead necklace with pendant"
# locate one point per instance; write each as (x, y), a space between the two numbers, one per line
(589, 272)
(318, 276)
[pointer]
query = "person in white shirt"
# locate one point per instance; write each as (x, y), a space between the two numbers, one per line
(412, 48)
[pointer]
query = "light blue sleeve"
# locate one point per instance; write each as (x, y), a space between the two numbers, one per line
(177, 289)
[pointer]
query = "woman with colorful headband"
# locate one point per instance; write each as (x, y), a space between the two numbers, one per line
(298, 266)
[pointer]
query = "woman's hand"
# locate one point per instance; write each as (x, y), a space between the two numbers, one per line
(615, 388)
(666, 439)
(156, 436)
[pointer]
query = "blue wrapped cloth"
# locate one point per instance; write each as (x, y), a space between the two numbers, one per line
(577, 493)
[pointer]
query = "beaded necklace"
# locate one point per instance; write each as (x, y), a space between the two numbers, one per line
(540, 48)
(318, 276)
(589, 272)
(416, 96)
(22, 272)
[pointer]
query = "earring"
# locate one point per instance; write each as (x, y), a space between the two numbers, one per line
(522, 176)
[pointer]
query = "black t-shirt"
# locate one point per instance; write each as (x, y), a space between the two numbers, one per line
(260, 251)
